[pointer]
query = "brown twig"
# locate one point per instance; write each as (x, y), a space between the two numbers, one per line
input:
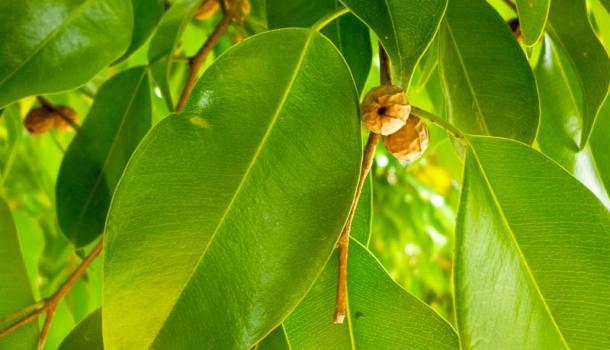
(46, 104)
(198, 60)
(367, 162)
(51, 303)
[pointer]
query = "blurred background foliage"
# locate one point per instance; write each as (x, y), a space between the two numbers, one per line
(414, 205)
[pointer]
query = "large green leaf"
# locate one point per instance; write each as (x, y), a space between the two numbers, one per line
(166, 39)
(120, 116)
(14, 131)
(15, 290)
(488, 83)
(570, 29)
(561, 120)
(606, 4)
(532, 266)
(532, 19)
(146, 16)
(600, 144)
(404, 27)
(228, 211)
(86, 335)
(375, 304)
(347, 32)
(275, 341)
(51, 46)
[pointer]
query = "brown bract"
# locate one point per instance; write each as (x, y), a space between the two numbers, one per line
(385, 109)
(410, 142)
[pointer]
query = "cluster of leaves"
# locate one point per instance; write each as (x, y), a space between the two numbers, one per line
(220, 221)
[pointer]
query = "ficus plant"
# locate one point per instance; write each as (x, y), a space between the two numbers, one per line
(328, 174)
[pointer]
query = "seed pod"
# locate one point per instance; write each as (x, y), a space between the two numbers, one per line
(385, 109)
(39, 120)
(207, 9)
(410, 142)
(59, 121)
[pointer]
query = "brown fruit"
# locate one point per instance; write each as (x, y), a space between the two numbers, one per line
(410, 142)
(39, 120)
(207, 9)
(385, 109)
(59, 122)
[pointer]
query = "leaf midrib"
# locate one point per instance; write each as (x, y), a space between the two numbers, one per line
(246, 175)
(515, 243)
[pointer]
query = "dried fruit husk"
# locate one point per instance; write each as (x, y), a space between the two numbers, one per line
(385, 109)
(209, 7)
(410, 141)
(60, 122)
(39, 120)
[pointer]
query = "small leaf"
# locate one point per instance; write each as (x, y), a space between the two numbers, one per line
(532, 253)
(376, 304)
(571, 31)
(489, 91)
(165, 41)
(404, 27)
(86, 335)
(237, 200)
(347, 32)
(120, 116)
(533, 15)
(146, 16)
(52, 46)
(15, 289)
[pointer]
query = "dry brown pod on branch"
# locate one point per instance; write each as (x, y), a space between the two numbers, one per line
(385, 109)
(42, 119)
(410, 142)
(59, 118)
(209, 7)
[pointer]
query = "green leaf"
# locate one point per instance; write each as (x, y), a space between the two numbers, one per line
(560, 120)
(15, 290)
(375, 304)
(14, 132)
(166, 39)
(52, 46)
(86, 335)
(404, 27)
(275, 341)
(237, 200)
(600, 144)
(532, 19)
(606, 4)
(347, 32)
(120, 116)
(532, 253)
(571, 31)
(146, 16)
(488, 83)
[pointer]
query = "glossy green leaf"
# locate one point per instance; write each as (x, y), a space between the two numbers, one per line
(600, 144)
(375, 304)
(86, 335)
(561, 120)
(275, 341)
(488, 83)
(120, 116)
(533, 15)
(404, 27)
(51, 46)
(15, 290)
(571, 31)
(146, 16)
(165, 41)
(228, 211)
(532, 266)
(347, 32)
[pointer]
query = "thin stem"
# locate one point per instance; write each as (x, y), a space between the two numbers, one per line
(51, 303)
(46, 104)
(197, 61)
(324, 21)
(420, 113)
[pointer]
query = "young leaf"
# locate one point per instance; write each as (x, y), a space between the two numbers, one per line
(404, 27)
(532, 19)
(120, 116)
(165, 41)
(347, 32)
(229, 210)
(488, 83)
(570, 29)
(376, 304)
(15, 289)
(146, 16)
(86, 335)
(532, 266)
(51, 46)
